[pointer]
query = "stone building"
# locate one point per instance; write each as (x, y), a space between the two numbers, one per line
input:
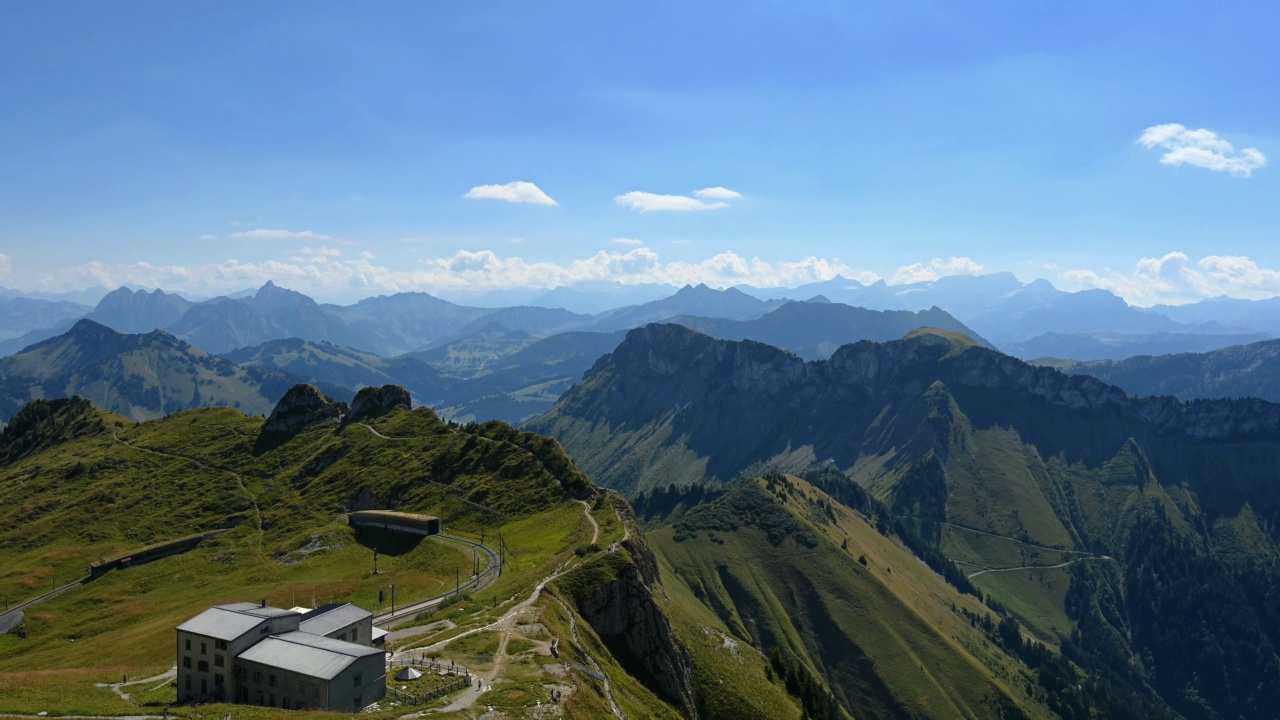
(325, 658)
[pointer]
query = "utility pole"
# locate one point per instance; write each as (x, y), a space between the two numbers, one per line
(375, 562)
(457, 580)
(393, 598)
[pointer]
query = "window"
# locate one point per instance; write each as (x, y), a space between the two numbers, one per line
(186, 663)
(188, 682)
(220, 644)
(357, 681)
(353, 635)
(315, 691)
(204, 648)
(204, 666)
(358, 703)
(204, 686)
(271, 680)
(217, 660)
(257, 677)
(259, 702)
(188, 644)
(217, 680)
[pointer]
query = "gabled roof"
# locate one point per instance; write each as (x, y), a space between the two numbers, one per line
(306, 654)
(222, 624)
(331, 618)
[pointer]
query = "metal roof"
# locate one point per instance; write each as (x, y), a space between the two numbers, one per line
(306, 654)
(331, 618)
(248, 608)
(222, 624)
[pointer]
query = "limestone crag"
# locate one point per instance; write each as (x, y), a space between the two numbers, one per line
(373, 402)
(303, 407)
(625, 614)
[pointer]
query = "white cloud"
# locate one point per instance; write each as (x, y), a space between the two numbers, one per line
(1201, 148)
(513, 192)
(650, 202)
(626, 241)
(325, 271)
(716, 193)
(278, 234)
(712, 198)
(938, 267)
(1174, 279)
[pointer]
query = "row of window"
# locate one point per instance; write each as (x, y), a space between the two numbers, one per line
(204, 647)
(203, 665)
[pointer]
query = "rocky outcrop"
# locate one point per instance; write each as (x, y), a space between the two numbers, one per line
(373, 402)
(627, 617)
(303, 407)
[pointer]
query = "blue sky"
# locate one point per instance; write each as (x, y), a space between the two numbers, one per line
(332, 147)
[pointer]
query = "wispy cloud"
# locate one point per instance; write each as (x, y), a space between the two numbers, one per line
(705, 199)
(936, 268)
(207, 236)
(1201, 148)
(1174, 279)
(6, 265)
(277, 234)
(626, 241)
(513, 192)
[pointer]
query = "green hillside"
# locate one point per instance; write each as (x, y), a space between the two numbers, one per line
(95, 485)
(782, 565)
(1063, 499)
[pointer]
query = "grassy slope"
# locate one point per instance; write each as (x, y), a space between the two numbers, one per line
(130, 485)
(884, 635)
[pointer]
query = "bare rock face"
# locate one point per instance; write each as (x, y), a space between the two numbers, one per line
(373, 401)
(303, 407)
(628, 619)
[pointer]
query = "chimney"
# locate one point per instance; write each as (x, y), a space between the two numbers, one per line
(264, 602)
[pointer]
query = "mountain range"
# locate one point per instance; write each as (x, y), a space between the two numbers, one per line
(1139, 535)
(1029, 320)
(139, 376)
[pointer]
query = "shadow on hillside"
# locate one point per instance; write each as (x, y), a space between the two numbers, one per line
(388, 542)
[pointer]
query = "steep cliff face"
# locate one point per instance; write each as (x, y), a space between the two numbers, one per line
(616, 594)
(302, 407)
(674, 405)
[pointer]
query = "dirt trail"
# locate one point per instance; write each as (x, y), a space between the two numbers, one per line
(1039, 567)
(595, 526)
(117, 688)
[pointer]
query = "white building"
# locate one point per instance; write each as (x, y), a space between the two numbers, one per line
(259, 655)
